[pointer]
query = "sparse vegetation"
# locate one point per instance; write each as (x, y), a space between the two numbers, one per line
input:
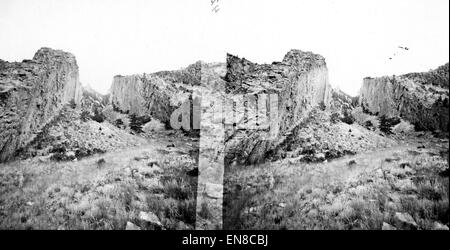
(405, 192)
(364, 119)
(105, 198)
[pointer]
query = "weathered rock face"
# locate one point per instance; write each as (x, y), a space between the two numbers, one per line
(299, 82)
(341, 101)
(92, 101)
(157, 94)
(31, 93)
(420, 98)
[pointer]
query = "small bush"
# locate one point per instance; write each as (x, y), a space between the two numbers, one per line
(386, 123)
(85, 116)
(72, 104)
(115, 108)
(334, 118)
(119, 123)
(364, 119)
(83, 152)
(101, 162)
(136, 122)
(368, 124)
(348, 118)
(322, 106)
(98, 116)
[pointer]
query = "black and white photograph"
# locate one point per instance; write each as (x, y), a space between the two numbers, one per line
(194, 115)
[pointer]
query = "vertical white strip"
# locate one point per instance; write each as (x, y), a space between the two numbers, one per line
(211, 157)
(274, 126)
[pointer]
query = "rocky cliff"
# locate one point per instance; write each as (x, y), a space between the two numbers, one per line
(294, 87)
(92, 101)
(420, 98)
(342, 101)
(31, 93)
(156, 94)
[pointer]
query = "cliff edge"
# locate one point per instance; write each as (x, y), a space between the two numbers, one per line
(32, 92)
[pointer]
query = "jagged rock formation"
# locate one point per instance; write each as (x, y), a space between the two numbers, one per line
(157, 94)
(93, 102)
(31, 93)
(341, 101)
(420, 98)
(301, 83)
(438, 77)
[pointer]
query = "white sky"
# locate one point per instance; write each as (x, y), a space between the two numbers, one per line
(135, 36)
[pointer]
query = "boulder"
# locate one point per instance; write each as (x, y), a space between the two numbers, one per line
(131, 226)
(404, 221)
(439, 226)
(150, 218)
(387, 226)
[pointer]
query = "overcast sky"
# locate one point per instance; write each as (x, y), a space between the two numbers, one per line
(357, 37)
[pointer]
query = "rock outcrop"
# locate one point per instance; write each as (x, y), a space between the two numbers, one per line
(341, 101)
(31, 93)
(420, 98)
(156, 94)
(296, 85)
(92, 101)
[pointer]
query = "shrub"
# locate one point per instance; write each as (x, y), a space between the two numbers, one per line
(136, 122)
(72, 104)
(85, 115)
(368, 124)
(386, 123)
(322, 106)
(115, 108)
(98, 116)
(364, 119)
(348, 118)
(119, 123)
(334, 118)
(101, 162)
